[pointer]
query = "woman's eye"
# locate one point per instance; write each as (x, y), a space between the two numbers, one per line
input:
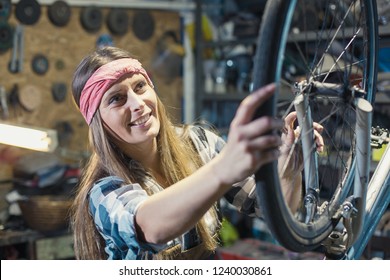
(140, 87)
(115, 99)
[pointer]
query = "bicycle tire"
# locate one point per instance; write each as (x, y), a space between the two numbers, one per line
(279, 23)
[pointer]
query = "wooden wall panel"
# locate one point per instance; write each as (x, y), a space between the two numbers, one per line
(68, 45)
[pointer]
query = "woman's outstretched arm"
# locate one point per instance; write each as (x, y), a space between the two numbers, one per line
(175, 210)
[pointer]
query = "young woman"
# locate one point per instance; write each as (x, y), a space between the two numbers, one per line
(150, 189)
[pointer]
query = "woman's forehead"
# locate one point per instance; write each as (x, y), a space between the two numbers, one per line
(131, 77)
(128, 80)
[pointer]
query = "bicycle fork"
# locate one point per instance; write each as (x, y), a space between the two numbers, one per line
(353, 207)
(310, 159)
(352, 211)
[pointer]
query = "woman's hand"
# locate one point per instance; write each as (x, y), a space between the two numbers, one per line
(291, 163)
(250, 143)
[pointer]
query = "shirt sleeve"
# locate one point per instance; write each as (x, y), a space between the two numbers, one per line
(242, 195)
(113, 206)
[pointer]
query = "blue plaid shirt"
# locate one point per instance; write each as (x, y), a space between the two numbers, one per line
(113, 205)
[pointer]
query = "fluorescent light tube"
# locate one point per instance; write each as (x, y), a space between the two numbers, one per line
(39, 139)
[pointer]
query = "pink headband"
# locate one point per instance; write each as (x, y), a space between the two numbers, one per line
(102, 79)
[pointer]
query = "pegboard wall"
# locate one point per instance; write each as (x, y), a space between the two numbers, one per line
(64, 47)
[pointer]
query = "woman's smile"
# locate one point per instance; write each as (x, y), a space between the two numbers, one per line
(141, 121)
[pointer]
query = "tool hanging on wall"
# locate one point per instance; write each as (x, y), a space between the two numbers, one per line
(14, 101)
(30, 97)
(5, 9)
(3, 103)
(28, 12)
(91, 18)
(40, 64)
(104, 40)
(117, 21)
(59, 13)
(59, 64)
(16, 63)
(58, 91)
(6, 36)
(143, 25)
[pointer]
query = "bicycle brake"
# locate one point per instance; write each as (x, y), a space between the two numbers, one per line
(379, 137)
(335, 244)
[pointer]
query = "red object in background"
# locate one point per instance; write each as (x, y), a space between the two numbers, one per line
(10, 154)
(254, 249)
(72, 172)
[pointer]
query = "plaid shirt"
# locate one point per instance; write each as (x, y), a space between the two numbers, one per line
(113, 205)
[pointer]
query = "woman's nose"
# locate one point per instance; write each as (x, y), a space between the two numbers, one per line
(135, 102)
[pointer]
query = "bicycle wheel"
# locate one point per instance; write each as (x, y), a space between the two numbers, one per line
(324, 54)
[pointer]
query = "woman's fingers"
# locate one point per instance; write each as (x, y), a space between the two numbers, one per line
(259, 127)
(288, 129)
(318, 127)
(319, 141)
(265, 142)
(249, 105)
(290, 119)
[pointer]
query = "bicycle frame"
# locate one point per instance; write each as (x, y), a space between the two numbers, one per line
(376, 203)
(378, 199)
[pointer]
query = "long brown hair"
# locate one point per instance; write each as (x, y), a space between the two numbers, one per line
(179, 159)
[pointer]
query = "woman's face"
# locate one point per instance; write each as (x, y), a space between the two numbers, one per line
(129, 110)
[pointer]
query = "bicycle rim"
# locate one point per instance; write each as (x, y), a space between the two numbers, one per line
(325, 51)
